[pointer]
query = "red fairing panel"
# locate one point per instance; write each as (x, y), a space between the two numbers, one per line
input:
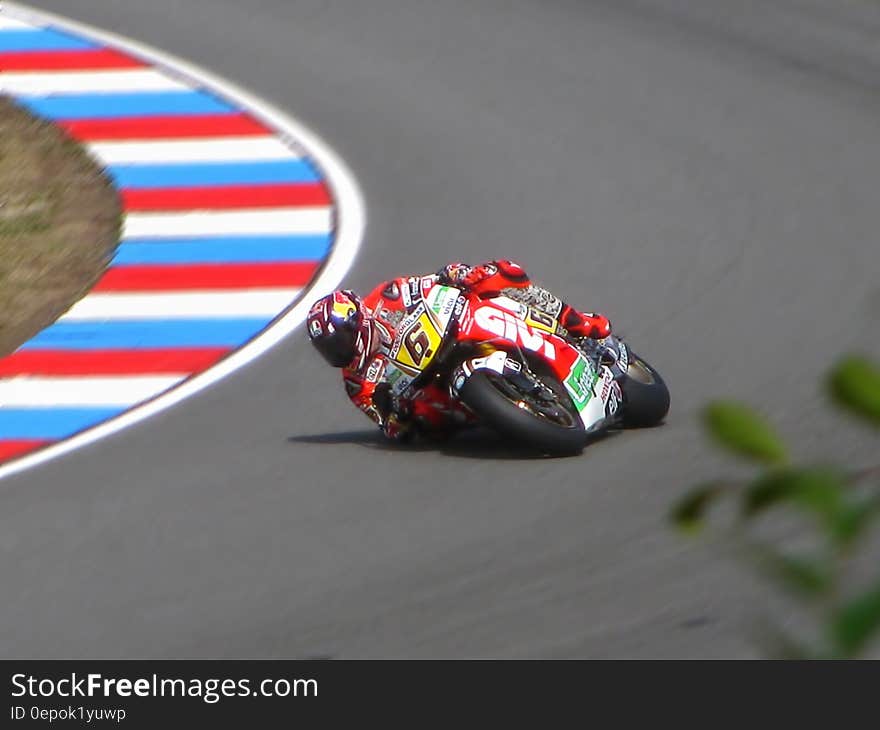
(487, 322)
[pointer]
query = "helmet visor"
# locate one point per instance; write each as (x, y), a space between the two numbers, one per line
(338, 347)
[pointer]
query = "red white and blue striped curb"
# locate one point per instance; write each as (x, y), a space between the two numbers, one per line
(232, 213)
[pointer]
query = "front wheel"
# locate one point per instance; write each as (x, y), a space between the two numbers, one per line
(536, 419)
(645, 395)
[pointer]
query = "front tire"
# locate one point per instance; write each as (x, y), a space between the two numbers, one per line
(645, 395)
(494, 402)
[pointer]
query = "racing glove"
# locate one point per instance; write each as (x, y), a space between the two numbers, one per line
(468, 277)
(456, 274)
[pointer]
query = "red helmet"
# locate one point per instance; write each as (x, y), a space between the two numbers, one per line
(339, 327)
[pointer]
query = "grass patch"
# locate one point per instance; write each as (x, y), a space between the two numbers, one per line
(59, 224)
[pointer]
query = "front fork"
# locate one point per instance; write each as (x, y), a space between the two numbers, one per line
(495, 360)
(514, 372)
(613, 354)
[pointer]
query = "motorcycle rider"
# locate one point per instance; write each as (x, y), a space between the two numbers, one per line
(355, 334)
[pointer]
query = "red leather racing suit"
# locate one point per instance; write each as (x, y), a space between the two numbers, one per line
(392, 300)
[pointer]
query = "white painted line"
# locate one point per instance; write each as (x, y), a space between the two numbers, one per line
(88, 82)
(350, 224)
(212, 223)
(7, 23)
(215, 149)
(123, 390)
(177, 305)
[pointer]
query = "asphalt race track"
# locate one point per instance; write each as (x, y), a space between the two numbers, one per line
(706, 173)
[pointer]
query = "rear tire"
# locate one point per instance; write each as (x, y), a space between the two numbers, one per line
(645, 395)
(497, 411)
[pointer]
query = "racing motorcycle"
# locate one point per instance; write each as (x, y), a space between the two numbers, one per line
(502, 364)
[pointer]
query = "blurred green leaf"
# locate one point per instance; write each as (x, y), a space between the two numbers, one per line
(853, 519)
(817, 489)
(800, 576)
(854, 383)
(742, 431)
(688, 513)
(857, 622)
(832, 495)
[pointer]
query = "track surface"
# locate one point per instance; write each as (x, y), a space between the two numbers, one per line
(706, 173)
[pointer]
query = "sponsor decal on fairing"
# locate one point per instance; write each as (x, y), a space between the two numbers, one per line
(515, 330)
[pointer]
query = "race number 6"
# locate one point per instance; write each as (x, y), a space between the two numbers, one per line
(417, 344)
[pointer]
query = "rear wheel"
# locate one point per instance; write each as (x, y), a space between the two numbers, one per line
(645, 395)
(534, 417)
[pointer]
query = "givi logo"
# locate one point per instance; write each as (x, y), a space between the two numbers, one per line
(510, 328)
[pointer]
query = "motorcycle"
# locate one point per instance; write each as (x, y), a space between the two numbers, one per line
(502, 364)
